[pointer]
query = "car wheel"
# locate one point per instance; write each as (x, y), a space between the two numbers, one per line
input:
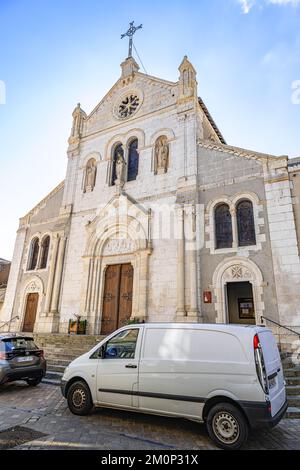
(79, 399)
(33, 382)
(227, 426)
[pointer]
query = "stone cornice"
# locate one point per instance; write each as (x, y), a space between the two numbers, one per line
(120, 125)
(240, 152)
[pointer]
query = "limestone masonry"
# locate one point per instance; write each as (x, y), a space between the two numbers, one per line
(158, 219)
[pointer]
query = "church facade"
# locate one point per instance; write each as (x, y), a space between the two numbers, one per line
(158, 219)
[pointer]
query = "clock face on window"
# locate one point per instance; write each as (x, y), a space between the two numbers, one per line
(128, 106)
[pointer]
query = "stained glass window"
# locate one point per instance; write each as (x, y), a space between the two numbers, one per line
(133, 160)
(223, 226)
(245, 223)
(34, 253)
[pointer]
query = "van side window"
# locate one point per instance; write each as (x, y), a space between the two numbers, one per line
(122, 346)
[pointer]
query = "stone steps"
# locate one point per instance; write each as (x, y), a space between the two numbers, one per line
(65, 357)
(292, 372)
(55, 368)
(292, 390)
(60, 350)
(53, 378)
(58, 362)
(293, 412)
(54, 352)
(292, 380)
(294, 400)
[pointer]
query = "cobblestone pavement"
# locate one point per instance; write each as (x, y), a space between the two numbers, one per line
(44, 409)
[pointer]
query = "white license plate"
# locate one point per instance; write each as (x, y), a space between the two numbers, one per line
(24, 359)
(272, 382)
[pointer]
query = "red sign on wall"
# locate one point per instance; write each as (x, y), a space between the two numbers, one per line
(207, 297)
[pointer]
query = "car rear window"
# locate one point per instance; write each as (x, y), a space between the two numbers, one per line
(11, 344)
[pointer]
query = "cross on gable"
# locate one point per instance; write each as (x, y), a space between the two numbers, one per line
(130, 33)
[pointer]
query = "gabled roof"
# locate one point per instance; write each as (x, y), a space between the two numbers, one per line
(211, 121)
(120, 80)
(4, 261)
(45, 199)
(294, 162)
(238, 151)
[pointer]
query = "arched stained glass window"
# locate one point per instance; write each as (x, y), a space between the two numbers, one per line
(45, 252)
(118, 150)
(133, 161)
(223, 226)
(245, 223)
(34, 253)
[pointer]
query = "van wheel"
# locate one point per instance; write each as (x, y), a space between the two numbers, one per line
(227, 426)
(79, 399)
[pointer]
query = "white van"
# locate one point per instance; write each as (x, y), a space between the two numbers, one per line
(228, 376)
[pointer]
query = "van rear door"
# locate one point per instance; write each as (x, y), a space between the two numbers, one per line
(274, 370)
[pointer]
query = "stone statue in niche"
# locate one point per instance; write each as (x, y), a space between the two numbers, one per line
(90, 175)
(120, 166)
(161, 163)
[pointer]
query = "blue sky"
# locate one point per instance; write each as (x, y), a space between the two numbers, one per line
(55, 53)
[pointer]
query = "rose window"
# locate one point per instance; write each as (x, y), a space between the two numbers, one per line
(128, 106)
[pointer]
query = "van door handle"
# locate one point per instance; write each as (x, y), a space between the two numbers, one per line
(131, 366)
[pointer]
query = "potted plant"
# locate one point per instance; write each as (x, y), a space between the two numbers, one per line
(78, 326)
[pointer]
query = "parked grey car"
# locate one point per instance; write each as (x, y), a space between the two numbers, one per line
(21, 359)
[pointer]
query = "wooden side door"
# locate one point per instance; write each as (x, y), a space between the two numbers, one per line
(110, 299)
(30, 312)
(125, 296)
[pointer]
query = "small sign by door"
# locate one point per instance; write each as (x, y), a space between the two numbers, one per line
(207, 298)
(246, 308)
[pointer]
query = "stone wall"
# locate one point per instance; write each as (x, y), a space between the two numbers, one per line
(171, 273)
(226, 177)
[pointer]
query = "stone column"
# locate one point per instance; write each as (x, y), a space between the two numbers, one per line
(51, 274)
(143, 284)
(284, 243)
(89, 286)
(58, 275)
(235, 241)
(180, 264)
(193, 308)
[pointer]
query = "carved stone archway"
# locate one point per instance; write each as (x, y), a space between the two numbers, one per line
(33, 286)
(116, 240)
(237, 269)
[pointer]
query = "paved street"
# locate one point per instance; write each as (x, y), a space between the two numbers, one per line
(43, 409)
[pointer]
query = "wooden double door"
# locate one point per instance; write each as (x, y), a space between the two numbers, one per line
(30, 312)
(117, 298)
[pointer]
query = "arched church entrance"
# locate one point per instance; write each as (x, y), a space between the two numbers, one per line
(238, 289)
(115, 282)
(117, 297)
